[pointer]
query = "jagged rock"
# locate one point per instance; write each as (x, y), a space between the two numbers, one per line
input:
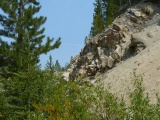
(137, 38)
(104, 61)
(110, 62)
(136, 12)
(148, 8)
(82, 71)
(134, 19)
(117, 27)
(100, 51)
(90, 56)
(121, 40)
(118, 52)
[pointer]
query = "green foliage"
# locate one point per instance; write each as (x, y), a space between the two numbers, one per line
(97, 25)
(22, 92)
(23, 81)
(27, 92)
(66, 67)
(50, 66)
(112, 11)
(140, 107)
(82, 100)
(105, 11)
(69, 100)
(57, 66)
(21, 25)
(54, 98)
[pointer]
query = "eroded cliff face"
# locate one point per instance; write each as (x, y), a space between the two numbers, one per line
(118, 42)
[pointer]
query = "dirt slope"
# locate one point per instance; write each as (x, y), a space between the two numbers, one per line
(136, 31)
(146, 63)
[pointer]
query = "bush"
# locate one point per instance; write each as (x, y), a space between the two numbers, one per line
(77, 100)
(82, 100)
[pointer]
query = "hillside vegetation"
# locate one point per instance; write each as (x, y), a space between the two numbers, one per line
(29, 93)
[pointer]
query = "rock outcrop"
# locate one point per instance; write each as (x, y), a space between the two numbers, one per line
(118, 42)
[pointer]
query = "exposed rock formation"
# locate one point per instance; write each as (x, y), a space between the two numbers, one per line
(121, 40)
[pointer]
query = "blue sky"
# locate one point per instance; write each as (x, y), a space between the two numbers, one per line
(69, 19)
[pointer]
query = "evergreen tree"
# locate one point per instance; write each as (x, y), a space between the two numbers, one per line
(104, 10)
(50, 67)
(20, 58)
(57, 66)
(20, 24)
(97, 25)
(67, 65)
(112, 11)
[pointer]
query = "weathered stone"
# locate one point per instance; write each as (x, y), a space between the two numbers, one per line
(150, 34)
(117, 27)
(104, 60)
(117, 36)
(148, 8)
(84, 58)
(133, 19)
(136, 38)
(91, 66)
(90, 56)
(66, 75)
(100, 52)
(118, 52)
(110, 62)
(135, 12)
(82, 71)
(117, 42)
(93, 62)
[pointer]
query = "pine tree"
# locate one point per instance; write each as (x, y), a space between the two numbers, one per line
(112, 11)
(20, 24)
(97, 25)
(67, 65)
(20, 58)
(104, 10)
(57, 66)
(50, 67)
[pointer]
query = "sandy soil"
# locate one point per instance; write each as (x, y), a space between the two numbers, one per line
(146, 63)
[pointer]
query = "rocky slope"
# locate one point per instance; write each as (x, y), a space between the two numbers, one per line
(131, 42)
(146, 63)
